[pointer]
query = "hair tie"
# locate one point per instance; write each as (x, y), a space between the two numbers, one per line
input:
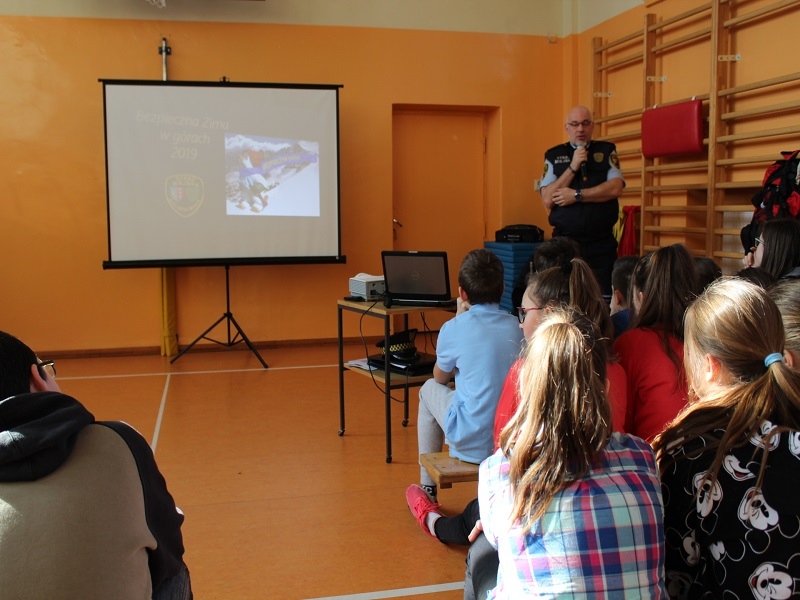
(773, 358)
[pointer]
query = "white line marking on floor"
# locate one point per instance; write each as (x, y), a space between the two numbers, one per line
(413, 591)
(62, 378)
(160, 414)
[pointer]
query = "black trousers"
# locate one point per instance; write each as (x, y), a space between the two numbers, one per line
(456, 530)
(600, 256)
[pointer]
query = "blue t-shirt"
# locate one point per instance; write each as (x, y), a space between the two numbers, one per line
(481, 344)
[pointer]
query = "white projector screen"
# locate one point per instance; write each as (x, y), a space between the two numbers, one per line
(221, 173)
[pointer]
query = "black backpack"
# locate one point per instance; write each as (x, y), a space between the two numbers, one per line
(778, 198)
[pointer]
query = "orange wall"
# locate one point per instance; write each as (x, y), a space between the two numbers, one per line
(57, 297)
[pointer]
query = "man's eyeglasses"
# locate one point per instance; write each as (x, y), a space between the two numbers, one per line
(759, 241)
(585, 123)
(49, 367)
(522, 311)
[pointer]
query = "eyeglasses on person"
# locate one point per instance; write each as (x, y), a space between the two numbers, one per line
(522, 311)
(759, 241)
(585, 123)
(49, 367)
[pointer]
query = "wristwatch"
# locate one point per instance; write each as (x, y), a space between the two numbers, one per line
(578, 196)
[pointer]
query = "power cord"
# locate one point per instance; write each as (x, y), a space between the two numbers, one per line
(428, 333)
(366, 354)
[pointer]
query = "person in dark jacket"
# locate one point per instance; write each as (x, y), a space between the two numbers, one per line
(580, 186)
(84, 511)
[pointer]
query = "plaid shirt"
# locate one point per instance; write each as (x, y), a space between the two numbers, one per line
(601, 537)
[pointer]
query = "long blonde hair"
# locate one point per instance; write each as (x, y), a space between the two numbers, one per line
(786, 294)
(564, 418)
(737, 324)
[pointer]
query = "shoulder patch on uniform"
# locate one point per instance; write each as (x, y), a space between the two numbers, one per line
(614, 159)
(546, 169)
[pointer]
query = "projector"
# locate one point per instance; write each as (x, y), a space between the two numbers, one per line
(369, 287)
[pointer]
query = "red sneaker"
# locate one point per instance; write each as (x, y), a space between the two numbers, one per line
(420, 505)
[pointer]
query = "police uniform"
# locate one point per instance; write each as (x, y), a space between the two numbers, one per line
(590, 224)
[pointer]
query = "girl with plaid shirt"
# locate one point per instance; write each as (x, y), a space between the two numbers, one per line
(573, 509)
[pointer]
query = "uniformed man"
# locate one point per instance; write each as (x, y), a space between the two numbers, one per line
(580, 187)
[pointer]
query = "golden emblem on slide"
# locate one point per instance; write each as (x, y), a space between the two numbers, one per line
(184, 193)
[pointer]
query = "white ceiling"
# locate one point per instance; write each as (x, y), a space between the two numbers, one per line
(557, 18)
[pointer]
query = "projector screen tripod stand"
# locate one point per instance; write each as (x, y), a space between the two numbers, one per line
(230, 321)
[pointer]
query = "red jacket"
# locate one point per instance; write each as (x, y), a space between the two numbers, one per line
(656, 388)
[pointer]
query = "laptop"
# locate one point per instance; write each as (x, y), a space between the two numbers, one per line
(415, 278)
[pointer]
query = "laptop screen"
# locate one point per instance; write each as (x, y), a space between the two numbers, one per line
(416, 276)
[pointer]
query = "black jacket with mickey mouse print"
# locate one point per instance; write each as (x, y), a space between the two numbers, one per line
(729, 540)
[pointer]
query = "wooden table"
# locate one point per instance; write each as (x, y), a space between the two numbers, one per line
(391, 381)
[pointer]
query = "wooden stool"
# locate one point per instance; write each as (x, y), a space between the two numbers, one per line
(446, 470)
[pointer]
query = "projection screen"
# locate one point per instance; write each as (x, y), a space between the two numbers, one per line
(221, 173)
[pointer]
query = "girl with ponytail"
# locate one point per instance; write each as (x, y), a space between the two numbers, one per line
(572, 284)
(727, 462)
(573, 509)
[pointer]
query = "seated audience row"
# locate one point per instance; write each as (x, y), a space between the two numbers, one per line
(663, 285)
(421, 502)
(730, 522)
(570, 283)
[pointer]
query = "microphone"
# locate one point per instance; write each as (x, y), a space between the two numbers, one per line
(584, 174)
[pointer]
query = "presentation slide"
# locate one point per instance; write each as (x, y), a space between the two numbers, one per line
(221, 173)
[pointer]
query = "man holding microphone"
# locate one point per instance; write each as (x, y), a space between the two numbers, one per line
(580, 186)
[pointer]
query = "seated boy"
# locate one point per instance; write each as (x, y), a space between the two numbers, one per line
(477, 347)
(620, 281)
